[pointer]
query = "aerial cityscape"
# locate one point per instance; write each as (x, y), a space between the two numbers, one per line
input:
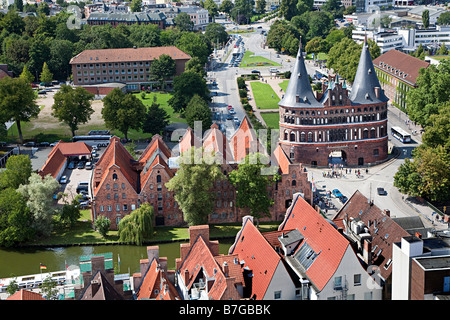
(225, 150)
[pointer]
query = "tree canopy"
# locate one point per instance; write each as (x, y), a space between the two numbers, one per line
(198, 110)
(138, 225)
(73, 106)
(193, 183)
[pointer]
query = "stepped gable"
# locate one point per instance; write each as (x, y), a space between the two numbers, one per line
(244, 141)
(115, 155)
(189, 140)
(366, 88)
(299, 92)
(215, 140)
(157, 152)
(155, 285)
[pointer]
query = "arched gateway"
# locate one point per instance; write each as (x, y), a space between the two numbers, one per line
(315, 124)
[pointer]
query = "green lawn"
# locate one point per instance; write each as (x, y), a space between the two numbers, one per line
(83, 233)
(283, 85)
(271, 119)
(162, 98)
(320, 56)
(256, 61)
(265, 97)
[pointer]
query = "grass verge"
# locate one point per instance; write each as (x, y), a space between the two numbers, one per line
(265, 97)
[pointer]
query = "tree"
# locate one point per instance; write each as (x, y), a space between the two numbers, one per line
(242, 11)
(195, 65)
(18, 5)
(444, 19)
(195, 44)
(226, 6)
(316, 45)
(26, 75)
(43, 8)
(145, 35)
(17, 102)
(426, 19)
(183, 22)
(252, 185)
(431, 93)
(136, 6)
(437, 131)
(156, 119)
(70, 212)
(216, 34)
(137, 226)
(334, 7)
(212, 8)
(14, 218)
(102, 224)
(48, 288)
(17, 171)
(12, 22)
(162, 69)
(288, 9)
(407, 179)
(193, 183)
(39, 53)
(12, 287)
(185, 86)
(46, 76)
(123, 111)
(38, 194)
(261, 6)
(443, 51)
(72, 106)
(198, 110)
(61, 51)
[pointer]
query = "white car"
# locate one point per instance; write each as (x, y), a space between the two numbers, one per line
(63, 180)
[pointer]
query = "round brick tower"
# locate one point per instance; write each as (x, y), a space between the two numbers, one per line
(314, 126)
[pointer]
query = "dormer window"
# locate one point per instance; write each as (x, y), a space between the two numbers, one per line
(369, 71)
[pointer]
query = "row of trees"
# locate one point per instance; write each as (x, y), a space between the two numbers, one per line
(427, 174)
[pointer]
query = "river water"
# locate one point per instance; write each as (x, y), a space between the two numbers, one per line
(25, 261)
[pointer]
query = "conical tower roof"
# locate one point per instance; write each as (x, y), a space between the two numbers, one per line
(299, 92)
(366, 80)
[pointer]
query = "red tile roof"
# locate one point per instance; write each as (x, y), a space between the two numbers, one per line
(200, 259)
(128, 55)
(158, 153)
(321, 236)
(387, 230)
(53, 164)
(402, 62)
(25, 295)
(244, 141)
(72, 149)
(282, 159)
(155, 285)
(215, 140)
(259, 256)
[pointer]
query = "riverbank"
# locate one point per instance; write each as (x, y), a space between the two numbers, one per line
(82, 234)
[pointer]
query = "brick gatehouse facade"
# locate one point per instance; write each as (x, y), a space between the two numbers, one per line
(313, 125)
(120, 184)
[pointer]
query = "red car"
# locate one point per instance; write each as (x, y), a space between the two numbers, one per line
(229, 107)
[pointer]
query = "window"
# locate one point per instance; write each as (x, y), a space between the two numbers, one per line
(117, 207)
(125, 207)
(277, 295)
(357, 279)
(124, 196)
(108, 196)
(109, 208)
(368, 295)
(337, 283)
(102, 208)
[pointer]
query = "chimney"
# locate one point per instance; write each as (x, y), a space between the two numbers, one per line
(95, 285)
(195, 231)
(387, 212)
(226, 269)
(297, 98)
(367, 251)
(186, 277)
(152, 252)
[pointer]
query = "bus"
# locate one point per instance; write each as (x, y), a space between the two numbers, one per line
(401, 134)
(93, 140)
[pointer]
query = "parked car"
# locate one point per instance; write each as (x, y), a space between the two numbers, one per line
(29, 144)
(54, 143)
(88, 166)
(44, 144)
(80, 165)
(256, 71)
(336, 193)
(232, 111)
(229, 107)
(343, 199)
(381, 191)
(71, 165)
(63, 180)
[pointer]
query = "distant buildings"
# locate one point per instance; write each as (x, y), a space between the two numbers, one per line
(130, 66)
(398, 73)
